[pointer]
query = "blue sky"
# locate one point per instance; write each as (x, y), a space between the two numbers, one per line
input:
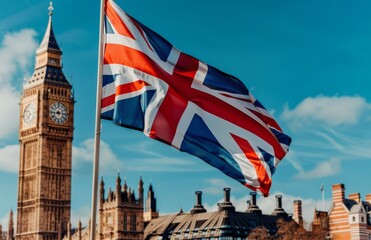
(308, 62)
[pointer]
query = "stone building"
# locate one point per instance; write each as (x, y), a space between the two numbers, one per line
(225, 223)
(349, 218)
(9, 234)
(320, 221)
(121, 213)
(45, 137)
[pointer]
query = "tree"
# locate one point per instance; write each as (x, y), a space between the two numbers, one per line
(287, 230)
(259, 233)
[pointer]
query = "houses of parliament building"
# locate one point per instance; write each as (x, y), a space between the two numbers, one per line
(44, 182)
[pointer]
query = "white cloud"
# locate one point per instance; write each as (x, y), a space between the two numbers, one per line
(333, 111)
(84, 153)
(16, 53)
(323, 169)
(9, 158)
(214, 186)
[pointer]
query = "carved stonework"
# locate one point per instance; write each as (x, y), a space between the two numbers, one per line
(45, 136)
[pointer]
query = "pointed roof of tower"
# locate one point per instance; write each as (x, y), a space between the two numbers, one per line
(49, 41)
(48, 65)
(140, 181)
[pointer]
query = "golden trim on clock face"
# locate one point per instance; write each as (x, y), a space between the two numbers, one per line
(29, 114)
(58, 113)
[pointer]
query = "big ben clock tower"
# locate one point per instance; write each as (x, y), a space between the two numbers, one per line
(45, 136)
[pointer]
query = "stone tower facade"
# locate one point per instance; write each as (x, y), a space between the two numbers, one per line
(150, 211)
(121, 213)
(45, 136)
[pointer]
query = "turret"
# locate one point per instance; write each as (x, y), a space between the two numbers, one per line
(118, 189)
(151, 205)
(69, 230)
(10, 226)
(101, 193)
(79, 229)
(140, 190)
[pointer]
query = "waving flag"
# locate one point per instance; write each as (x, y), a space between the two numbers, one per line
(151, 86)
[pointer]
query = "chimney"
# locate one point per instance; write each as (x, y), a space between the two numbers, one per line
(278, 201)
(338, 193)
(198, 208)
(368, 198)
(253, 208)
(355, 196)
(298, 215)
(226, 205)
(227, 194)
(253, 198)
(279, 211)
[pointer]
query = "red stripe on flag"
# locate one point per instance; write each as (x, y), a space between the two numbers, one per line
(120, 54)
(123, 89)
(107, 101)
(263, 178)
(130, 87)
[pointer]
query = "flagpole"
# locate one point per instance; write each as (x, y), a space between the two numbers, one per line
(97, 123)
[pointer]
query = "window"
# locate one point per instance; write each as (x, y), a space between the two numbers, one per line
(354, 219)
(109, 220)
(125, 221)
(134, 222)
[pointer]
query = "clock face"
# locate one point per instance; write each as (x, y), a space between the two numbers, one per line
(29, 114)
(58, 113)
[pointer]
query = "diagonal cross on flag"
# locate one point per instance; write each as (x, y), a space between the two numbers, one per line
(151, 86)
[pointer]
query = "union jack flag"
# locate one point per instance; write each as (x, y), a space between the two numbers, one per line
(175, 98)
